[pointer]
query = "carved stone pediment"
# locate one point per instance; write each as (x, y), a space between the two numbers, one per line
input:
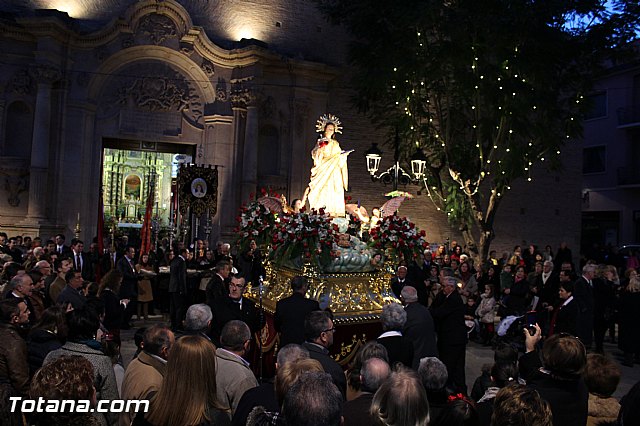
(157, 27)
(153, 87)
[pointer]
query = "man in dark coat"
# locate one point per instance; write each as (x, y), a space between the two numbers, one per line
(319, 330)
(129, 287)
(72, 292)
(178, 289)
(373, 374)
(234, 306)
(583, 293)
(82, 261)
(291, 312)
(217, 288)
(419, 328)
(448, 313)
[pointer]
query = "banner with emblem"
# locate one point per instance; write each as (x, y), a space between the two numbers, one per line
(197, 189)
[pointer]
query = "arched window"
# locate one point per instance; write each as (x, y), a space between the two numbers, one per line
(19, 131)
(268, 152)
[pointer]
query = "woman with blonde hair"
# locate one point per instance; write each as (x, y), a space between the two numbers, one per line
(188, 393)
(401, 400)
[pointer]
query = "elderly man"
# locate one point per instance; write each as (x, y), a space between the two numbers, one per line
(434, 376)
(233, 375)
(373, 373)
(198, 320)
(400, 281)
(146, 372)
(234, 306)
(22, 288)
(448, 313)
(42, 266)
(319, 330)
(583, 294)
(419, 328)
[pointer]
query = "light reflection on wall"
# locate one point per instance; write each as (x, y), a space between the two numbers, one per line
(73, 8)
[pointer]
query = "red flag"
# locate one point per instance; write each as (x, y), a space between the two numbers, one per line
(145, 232)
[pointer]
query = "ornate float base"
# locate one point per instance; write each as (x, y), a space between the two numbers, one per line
(354, 297)
(356, 300)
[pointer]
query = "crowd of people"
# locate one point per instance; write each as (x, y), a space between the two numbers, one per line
(63, 310)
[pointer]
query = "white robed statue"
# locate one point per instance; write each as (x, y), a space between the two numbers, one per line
(329, 175)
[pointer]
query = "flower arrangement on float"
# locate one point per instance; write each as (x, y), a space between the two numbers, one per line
(307, 235)
(399, 238)
(256, 222)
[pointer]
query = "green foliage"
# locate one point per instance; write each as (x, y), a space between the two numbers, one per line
(487, 88)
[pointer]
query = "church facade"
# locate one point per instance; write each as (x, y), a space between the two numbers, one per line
(233, 84)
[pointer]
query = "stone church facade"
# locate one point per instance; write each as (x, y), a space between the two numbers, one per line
(237, 84)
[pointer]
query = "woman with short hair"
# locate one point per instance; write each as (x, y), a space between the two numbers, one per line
(399, 348)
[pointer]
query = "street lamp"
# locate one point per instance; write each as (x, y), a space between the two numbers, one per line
(395, 174)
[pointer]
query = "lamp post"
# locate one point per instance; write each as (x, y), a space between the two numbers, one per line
(396, 174)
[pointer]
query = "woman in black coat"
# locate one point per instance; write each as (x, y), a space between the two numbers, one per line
(399, 348)
(113, 306)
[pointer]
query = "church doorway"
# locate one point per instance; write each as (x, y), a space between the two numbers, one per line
(131, 171)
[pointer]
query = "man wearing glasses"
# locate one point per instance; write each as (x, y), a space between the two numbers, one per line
(319, 330)
(234, 307)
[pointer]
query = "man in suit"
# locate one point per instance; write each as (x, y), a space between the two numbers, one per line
(319, 330)
(548, 285)
(81, 261)
(233, 306)
(178, 289)
(72, 292)
(129, 287)
(448, 313)
(583, 294)
(22, 288)
(373, 373)
(419, 328)
(217, 289)
(60, 248)
(400, 280)
(291, 312)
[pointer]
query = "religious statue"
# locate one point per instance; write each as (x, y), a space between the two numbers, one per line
(329, 175)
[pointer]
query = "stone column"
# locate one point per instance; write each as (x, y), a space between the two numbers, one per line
(250, 153)
(44, 76)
